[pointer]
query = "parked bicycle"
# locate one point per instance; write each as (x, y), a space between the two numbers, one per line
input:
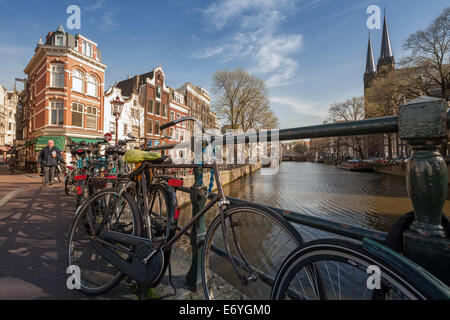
(131, 231)
(335, 269)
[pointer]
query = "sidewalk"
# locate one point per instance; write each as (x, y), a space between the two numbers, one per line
(34, 222)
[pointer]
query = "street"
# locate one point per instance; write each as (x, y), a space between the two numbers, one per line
(34, 223)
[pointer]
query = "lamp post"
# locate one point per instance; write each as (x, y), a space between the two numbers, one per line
(117, 106)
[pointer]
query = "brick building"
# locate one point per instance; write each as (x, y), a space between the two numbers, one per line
(64, 98)
(163, 104)
(198, 101)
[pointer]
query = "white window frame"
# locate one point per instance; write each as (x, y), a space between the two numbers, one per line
(80, 76)
(92, 81)
(58, 37)
(75, 110)
(91, 112)
(58, 69)
(57, 104)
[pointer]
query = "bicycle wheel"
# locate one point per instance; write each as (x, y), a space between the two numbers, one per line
(162, 220)
(70, 186)
(97, 274)
(332, 269)
(259, 241)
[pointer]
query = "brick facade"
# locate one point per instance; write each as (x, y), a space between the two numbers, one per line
(65, 86)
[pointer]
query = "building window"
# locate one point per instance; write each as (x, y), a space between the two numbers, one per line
(164, 110)
(158, 92)
(150, 106)
(92, 86)
(78, 81)
(91, 118)
(59, 40)
(112, 128)
(150, 126)
(57, 112)
(178, 116)
(135, 113)
(87, 49)
(156, 127)
(77, 115)
(57, 75)
(125, 129)
(158, 108)
(135, 131)
(172, 116)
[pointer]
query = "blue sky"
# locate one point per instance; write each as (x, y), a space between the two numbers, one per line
(310, 52)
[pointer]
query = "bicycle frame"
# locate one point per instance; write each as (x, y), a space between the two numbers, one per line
(220, 198)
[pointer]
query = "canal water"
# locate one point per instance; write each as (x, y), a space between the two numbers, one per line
(372, 200)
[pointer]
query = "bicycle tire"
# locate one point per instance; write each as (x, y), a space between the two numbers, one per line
(263, 221)
(137, 231)
(343, 252)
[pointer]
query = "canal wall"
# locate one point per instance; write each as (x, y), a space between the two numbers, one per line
(227, 177)
(397, 170)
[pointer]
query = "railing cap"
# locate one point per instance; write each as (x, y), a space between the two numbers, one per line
(423, 118)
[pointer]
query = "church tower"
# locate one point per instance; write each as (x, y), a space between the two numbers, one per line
(386, 62)
(370, 73)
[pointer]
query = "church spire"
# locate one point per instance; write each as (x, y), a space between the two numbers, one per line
(370, 64)
(386, 62)
(386, 50)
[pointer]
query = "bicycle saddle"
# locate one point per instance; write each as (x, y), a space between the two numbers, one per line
(80, 149)
(136, 156)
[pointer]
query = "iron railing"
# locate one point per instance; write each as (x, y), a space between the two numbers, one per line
(422, 123)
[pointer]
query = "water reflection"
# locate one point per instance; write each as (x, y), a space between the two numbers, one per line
(366, 199)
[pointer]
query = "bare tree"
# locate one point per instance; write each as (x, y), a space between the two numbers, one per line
(384, 97)
(242, 100)
(349, 110)
(430, 55)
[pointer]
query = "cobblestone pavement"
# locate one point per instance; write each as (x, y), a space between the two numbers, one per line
(34, 222)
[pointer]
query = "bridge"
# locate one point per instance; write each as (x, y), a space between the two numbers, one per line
(422, 123)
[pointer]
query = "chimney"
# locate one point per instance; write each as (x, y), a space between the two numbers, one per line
(48, 36)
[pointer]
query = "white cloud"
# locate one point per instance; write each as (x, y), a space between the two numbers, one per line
(300, 107)
(269, 51)
(96, 5)
(108, 22)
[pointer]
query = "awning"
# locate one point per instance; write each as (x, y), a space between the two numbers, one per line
(78, 140)
(4, 149)
(60, 143)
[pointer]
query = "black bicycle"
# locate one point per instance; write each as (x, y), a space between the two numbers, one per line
(335, 269)
(130, 231)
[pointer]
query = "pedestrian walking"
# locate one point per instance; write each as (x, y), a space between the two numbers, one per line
(48, 160)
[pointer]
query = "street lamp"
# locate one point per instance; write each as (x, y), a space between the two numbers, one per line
(117, 106)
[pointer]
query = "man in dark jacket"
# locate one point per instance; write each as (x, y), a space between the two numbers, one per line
(48, 159)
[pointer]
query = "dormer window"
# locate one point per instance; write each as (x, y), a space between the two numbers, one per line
(87, 49)
(59, 41)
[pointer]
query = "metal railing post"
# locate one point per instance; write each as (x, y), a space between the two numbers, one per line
(423, 124)
(198, 199)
